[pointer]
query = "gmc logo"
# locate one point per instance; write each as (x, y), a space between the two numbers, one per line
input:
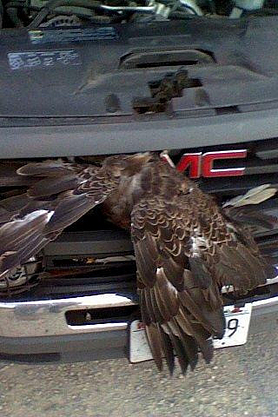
(202, 164)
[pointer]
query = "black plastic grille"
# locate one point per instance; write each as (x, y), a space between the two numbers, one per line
(73, 264)
(261, 166)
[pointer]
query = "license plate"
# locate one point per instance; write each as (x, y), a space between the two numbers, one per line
(237, 326)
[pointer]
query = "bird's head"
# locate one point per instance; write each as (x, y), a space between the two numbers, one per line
(126, 165)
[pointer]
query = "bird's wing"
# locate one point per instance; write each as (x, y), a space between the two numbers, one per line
(180, 309)
(60, 194)
(243, 209)
(184, 253)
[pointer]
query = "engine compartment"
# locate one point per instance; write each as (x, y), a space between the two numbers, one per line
(34, 14)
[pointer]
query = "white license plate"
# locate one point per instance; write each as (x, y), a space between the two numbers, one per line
(237, 326)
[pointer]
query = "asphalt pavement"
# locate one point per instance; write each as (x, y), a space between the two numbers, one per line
(240, 382)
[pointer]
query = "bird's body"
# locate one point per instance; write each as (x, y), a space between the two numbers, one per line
(186, 247)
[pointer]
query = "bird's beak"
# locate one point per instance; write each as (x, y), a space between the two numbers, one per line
(137, 161)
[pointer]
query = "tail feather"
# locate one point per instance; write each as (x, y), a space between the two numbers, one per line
(180, 352)
(190, 347)
(153, 336)
(167, 349)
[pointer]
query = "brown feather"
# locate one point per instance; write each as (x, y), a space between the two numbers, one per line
(29, 224)
(186, 247)
(154, 339)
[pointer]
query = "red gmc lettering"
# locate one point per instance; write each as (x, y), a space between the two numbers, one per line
(209, 157)
(193, 161)
(199, 164)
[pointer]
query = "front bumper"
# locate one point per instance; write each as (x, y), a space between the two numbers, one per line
(38, 331)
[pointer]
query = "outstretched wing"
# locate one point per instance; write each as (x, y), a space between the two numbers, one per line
(184, 253)
(60, 194)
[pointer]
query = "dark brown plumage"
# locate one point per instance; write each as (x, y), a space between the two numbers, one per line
(186, 247)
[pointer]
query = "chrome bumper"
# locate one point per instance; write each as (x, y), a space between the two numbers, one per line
(48, 317)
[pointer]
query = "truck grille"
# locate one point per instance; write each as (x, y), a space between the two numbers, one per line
(92, 257)
(261, 168)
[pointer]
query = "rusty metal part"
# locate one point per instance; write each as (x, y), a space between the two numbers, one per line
(162, 92)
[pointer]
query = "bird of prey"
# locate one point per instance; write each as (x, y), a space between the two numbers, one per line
(186, 246)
